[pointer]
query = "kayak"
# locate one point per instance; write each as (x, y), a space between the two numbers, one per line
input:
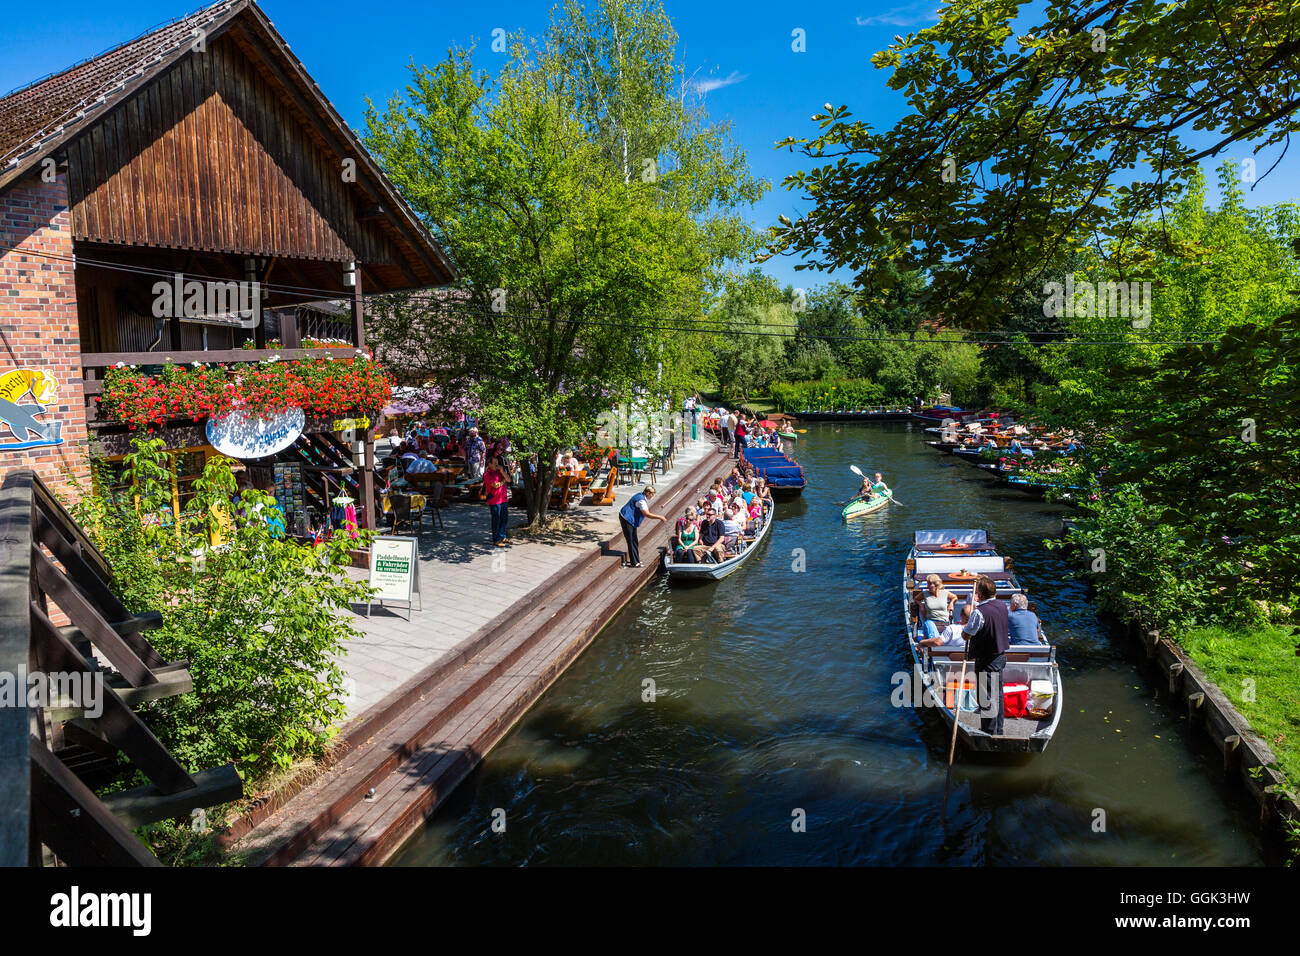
(862, 506)
(790, 435)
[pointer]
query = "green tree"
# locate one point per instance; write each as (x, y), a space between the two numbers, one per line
(1019, 142)
(588, 208)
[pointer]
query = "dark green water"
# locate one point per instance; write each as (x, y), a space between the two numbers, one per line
(773, 695)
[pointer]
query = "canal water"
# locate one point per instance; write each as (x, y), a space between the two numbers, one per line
(772, 706)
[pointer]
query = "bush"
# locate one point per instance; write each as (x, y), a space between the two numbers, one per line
(827, 395)
(261, 618)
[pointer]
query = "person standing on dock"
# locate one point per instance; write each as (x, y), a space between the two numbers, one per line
(630, 517)
(740, 430)
(989, 631)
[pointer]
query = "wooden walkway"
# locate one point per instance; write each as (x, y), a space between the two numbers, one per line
(413, 748)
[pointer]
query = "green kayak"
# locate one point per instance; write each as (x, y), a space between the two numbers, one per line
(862, 506)
(790, 435)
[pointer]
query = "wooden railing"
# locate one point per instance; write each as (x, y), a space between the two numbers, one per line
(47, 754)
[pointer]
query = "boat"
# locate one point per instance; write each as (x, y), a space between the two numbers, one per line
(784, 475)
(959, 556)
(864, 506)
(715, 572)
(788, 436)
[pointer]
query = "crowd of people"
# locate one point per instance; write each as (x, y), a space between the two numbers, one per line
(737, 430)
(940, 623)
(721, 521)
(424, 446)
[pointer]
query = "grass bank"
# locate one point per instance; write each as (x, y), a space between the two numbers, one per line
(1259, 664)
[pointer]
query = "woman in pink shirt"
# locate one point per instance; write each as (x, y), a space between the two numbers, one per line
(496, 488)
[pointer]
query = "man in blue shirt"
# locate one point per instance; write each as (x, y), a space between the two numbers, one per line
(1023, 623)
(630, 517)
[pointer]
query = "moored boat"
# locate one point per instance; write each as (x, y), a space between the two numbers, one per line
(783, 474)
(864, 506)
(704, 571)
(1031, 674)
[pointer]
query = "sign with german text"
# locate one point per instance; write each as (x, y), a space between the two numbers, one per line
(394, 571)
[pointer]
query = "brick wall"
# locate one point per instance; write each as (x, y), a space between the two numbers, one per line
(38, 325)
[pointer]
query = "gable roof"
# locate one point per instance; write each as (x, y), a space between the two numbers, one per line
(38, 120)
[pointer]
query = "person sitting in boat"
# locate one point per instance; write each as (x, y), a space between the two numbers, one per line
(687, 519)
(734, 480)
(687, 550)
(756, 513)
(937, 602)
(878, 486)
(1024, 624)
(950, 636)
(713, 545)
(732, 529)
(763, 490)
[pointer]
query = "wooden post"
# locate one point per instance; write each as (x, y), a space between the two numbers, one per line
(368, 479)
(358, 309)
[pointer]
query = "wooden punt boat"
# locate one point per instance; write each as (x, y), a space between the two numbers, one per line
(937, 671)
(783, 474)
(715, 572)
(864, 506)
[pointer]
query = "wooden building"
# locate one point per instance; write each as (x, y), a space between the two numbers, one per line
(200, 156)
(201, 152)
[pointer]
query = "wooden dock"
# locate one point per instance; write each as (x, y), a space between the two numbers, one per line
(413, 748)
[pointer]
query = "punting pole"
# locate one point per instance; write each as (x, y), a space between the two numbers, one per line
(956, 718)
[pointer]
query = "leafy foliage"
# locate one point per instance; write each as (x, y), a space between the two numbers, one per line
(262, 619)
(1019, 143)
(587, 206)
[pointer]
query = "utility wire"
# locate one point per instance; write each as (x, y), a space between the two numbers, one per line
(705, 325)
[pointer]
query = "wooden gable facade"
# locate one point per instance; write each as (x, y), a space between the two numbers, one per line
(202, 150)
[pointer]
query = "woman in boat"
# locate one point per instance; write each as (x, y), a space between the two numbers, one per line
(688, 549)
(938, 602)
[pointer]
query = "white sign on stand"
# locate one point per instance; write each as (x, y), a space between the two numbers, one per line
(395, 572)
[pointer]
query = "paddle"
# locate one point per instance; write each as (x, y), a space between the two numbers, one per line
(956, 716)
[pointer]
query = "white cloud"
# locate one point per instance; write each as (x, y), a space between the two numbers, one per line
(715, 83)
(910, 16)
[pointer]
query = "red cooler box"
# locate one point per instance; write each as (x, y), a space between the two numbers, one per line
(1015, 699)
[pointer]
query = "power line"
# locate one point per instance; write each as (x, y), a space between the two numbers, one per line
(706, 325)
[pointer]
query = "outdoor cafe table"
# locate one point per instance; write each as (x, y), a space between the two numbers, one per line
(635, 465)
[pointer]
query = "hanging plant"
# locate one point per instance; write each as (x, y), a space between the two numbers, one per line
(317, 386)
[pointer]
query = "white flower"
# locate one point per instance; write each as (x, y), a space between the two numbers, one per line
(273, 358)
(196, 363)
(121, 365)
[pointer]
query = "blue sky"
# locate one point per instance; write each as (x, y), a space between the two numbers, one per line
(768, 91)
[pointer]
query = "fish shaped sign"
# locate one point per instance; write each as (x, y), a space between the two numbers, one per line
(22, 419)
